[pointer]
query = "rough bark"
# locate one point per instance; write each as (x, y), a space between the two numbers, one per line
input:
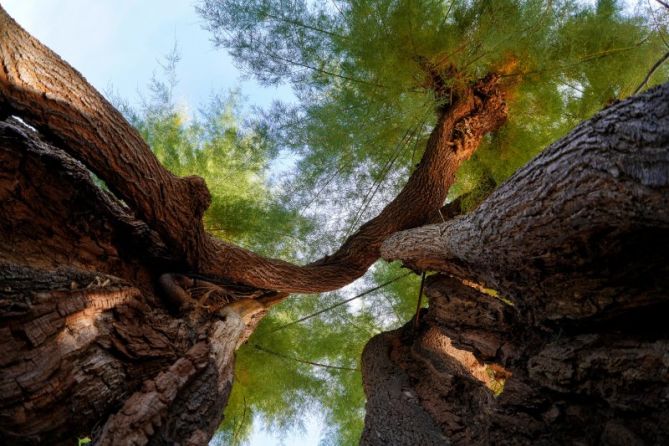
(581, 215)
(39, 86)
(570, 345)
(105, 288)
(106, 330)
(51, 96)
(88, 348)
(97, 361)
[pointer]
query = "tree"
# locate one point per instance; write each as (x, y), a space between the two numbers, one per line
(122, 338)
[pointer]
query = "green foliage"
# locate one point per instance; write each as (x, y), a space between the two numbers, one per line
(366, 108)
(273, 376)
(232, 159)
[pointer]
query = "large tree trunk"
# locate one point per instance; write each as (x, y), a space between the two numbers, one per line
(106, 330)
(86, 348)
(43, 90)
(546, 323)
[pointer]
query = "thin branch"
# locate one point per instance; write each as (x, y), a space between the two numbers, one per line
(652, 71)
(303, 361)
(303, 25)
(585, 59)
(341, 13)
(325, 310)
(665, 4)
(320, 70)
(385, 170)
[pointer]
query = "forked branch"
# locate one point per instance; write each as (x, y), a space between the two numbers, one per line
(46, 92)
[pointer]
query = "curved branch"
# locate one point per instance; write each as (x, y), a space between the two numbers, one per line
(53, 97)
(584, 226)
(36, 84)
(456, 136)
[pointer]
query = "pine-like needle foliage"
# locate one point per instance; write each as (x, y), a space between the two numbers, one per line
(287, 370)
(365, 108)
(364, 111)
(232, 158)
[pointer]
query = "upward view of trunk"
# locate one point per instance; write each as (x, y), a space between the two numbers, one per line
(87, 347)
(38, 86)
(120, 315)
(546, 319)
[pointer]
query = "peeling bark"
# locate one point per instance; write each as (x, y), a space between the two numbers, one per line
(73, 358)
(88, 348)
(520, 383)
(104, 332)
(590, 214)
(130, 271)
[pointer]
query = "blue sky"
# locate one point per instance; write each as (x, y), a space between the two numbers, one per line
(118, 43)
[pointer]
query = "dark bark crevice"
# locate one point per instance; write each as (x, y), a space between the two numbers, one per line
(84, 328)
(576, 241)
(590, 214)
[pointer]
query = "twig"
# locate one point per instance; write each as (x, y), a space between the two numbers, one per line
(665, 4)
(364, 293)
(303, 361)
(652, 71)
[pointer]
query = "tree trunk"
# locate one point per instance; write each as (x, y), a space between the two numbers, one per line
(546, 321)
(51, 96)
(87, 348)
(106, 330)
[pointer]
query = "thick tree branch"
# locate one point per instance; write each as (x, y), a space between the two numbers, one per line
(45, 91)
(459, 131)
(572, 218)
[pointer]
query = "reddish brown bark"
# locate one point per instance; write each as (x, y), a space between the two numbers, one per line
(101, 336)
(49, 94)
(87, 347)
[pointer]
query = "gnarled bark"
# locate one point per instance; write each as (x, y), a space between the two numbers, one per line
(87, 346)
(105, 288)
(580, 216)
(572, 337)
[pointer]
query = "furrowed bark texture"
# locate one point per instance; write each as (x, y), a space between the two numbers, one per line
(584, 211)
(456, 136)
(546, 323)
(51, 96)
(87, 348)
